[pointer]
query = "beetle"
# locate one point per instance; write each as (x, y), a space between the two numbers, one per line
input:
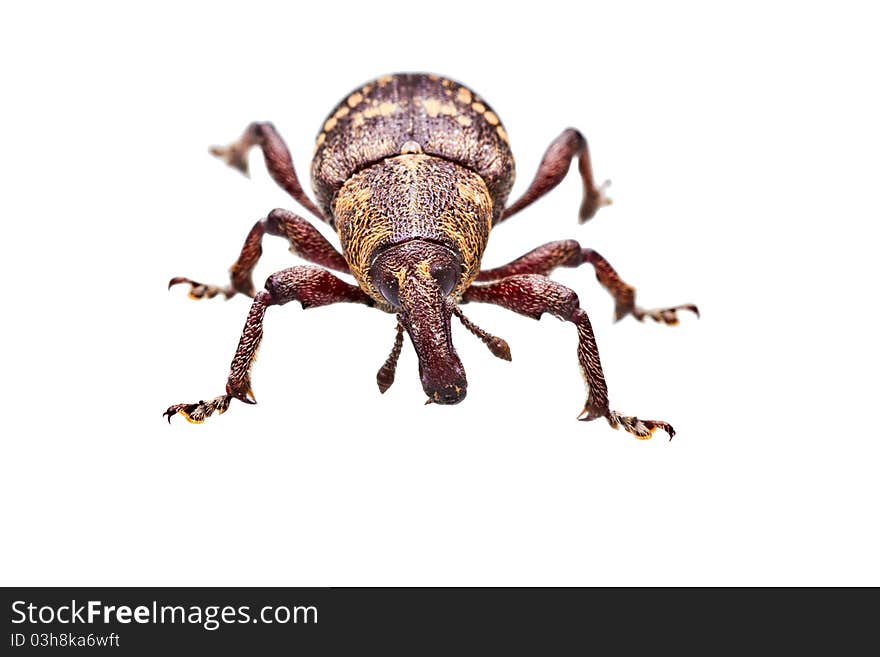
(413, 171)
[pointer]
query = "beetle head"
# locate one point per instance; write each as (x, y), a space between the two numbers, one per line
(417, 278)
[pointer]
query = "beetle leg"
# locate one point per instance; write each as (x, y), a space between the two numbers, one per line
(277, 156)
(312, 287)
(533, 295)
(553, 168)
(568, 253)
(305, 241)
(385, 375)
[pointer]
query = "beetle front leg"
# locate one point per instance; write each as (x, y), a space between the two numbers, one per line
(553, 168)
(277, 156)
(312, 287)
(305, 241)
(534, 295)
(568, 253)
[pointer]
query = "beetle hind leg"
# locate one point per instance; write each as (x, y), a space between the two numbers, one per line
(553, 169)
(277, 157)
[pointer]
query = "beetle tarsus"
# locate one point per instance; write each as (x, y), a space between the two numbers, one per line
(198, 412)
(595, 198)
(235, 155)
(641, 429)
(668, 316)
(202, 291)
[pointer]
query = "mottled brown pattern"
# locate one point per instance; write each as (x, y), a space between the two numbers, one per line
(413, 197)
(413, 170)
(445, 118)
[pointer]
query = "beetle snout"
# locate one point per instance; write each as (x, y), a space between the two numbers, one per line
(449, 394)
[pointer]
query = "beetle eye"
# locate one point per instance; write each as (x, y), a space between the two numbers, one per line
(446, 275)
(390, 289)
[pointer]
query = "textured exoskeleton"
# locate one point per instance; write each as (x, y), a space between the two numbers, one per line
(413, 172)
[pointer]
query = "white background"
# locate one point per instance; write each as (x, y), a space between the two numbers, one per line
(743, 147)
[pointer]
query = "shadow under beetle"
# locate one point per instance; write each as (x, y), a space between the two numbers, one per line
(413, 172)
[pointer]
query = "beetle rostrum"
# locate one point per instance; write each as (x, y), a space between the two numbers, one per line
(413, 172)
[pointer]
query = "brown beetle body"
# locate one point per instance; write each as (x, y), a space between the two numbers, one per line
(413, 171)
(412, 157)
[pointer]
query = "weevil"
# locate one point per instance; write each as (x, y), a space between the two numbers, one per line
(413, 172)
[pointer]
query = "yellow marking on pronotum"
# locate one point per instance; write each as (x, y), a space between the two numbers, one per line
(330, 124)
(479, 108)
(385, 79)
(355, 99)
(464, 120)
(464, 96)
(502, 133)
(342, 111)
(491, 118)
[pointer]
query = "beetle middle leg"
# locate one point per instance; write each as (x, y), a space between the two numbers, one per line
(312, 287)
(305, 241)
(533, 295)
(568, 253)
(553, 168)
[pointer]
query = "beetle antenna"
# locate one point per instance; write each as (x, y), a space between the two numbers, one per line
(385, 376)
(497, 346)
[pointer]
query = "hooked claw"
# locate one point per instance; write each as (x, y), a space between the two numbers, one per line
(641, 429)
(200, 411)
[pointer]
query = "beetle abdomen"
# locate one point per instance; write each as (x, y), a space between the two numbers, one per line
(444, 118)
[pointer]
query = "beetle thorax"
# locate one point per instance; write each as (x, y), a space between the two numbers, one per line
(413, 196)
